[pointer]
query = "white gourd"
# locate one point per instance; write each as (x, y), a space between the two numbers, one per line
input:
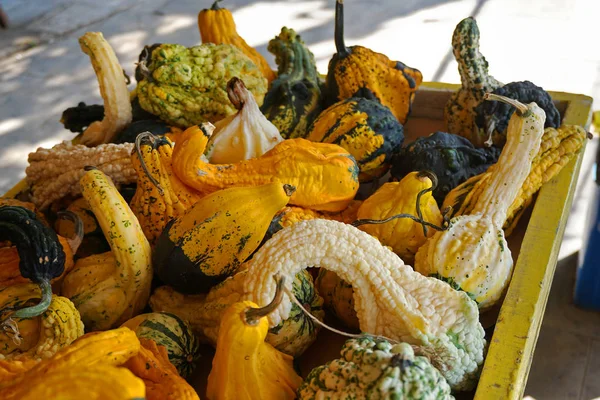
(244, 135)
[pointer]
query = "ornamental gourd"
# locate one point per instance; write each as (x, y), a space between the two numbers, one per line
(204, 312)
(558, 147)
(410, 196)
(366, 129)
(244, 366)
(39, 337)
(216, 235)
(187, 86)
(171, 332)
(112, 287)
(357, 71)
(294, 98)
(376, 369)
(472, 253)
(217, 26)
(325, 175)
(159, 196)
(244, 135)
(390, 298)
(459, 112)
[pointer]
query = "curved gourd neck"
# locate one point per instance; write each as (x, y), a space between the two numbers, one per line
(294, 60)
(472, 65)
(340, 45)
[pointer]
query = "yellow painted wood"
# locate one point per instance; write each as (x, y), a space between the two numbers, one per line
(15, 190)
(509, 357)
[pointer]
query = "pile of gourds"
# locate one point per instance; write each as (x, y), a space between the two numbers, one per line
(188, 211)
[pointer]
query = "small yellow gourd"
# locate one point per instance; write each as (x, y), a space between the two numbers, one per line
(244, 366)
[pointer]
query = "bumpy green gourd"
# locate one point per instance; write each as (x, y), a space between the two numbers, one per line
(294, 99)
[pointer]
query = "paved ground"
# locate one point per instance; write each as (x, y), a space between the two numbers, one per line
(551, 42)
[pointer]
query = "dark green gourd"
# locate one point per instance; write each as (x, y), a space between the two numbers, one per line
(294, 98)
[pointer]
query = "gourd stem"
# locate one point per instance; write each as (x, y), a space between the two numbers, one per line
(522, 109)
(138, 143)
(253, 315)
(289, 189)
(75, 241)
(215, 5)
(237, 92)
(42, 306)
(338, 35)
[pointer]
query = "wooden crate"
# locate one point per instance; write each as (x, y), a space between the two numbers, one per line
(535, 243)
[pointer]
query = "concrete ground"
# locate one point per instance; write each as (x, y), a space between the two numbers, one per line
(551, 42)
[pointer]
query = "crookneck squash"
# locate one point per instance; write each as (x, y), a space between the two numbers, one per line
(410, 196)
(244, 366)
(390, 299)
(459, 112)
(171, 332)
(160, 196)
(366, 129)
(216, 235)
(376, 369)
(217, 26)
(41, 254)
(325, 175)
(357, 71)
(294, 98)
(187, 86)
(38, 337)
(152, 364)
(204, 312)
(558, 147)
(472, 253)
(112, 287)
(244, 135)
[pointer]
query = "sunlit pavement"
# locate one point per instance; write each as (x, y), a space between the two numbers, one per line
(553, 43)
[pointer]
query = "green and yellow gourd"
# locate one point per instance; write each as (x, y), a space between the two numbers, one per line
(215, 236)
(364, 128)
(173, 333)
(357, 71)
(294, 98)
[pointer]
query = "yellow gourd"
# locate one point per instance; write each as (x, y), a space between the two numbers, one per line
(244, 366)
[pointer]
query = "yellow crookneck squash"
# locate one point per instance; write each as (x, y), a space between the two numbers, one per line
(160, 196)
(244, 366)
(112, 287)
(217, 26)
(472, 254)
(38, 337)
(325, 175)
(215, 236)
(357, 71)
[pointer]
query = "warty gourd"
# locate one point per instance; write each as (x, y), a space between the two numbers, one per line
(472, 253)
(391, 299)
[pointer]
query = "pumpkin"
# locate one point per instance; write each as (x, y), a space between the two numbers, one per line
(294, 98)
(375, 369)
(366, 129)
(187, 86)
(357, 71)
(244, 366)
(217, 26)
(159, 196)
(244, 135)
(171, 332)
(41, 336)
(325, 175)
(112, 287)
(459, 111)
(211, 240)
(162, 381)
(204, 312)
(472, 253)
(410, 196)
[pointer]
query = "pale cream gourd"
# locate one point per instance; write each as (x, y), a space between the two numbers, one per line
(472, 254)
(390, 298)
(244, 135)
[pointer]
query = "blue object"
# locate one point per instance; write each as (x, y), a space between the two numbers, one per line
(587, 284)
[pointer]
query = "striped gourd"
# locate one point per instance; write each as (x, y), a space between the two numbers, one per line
(175, 334)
